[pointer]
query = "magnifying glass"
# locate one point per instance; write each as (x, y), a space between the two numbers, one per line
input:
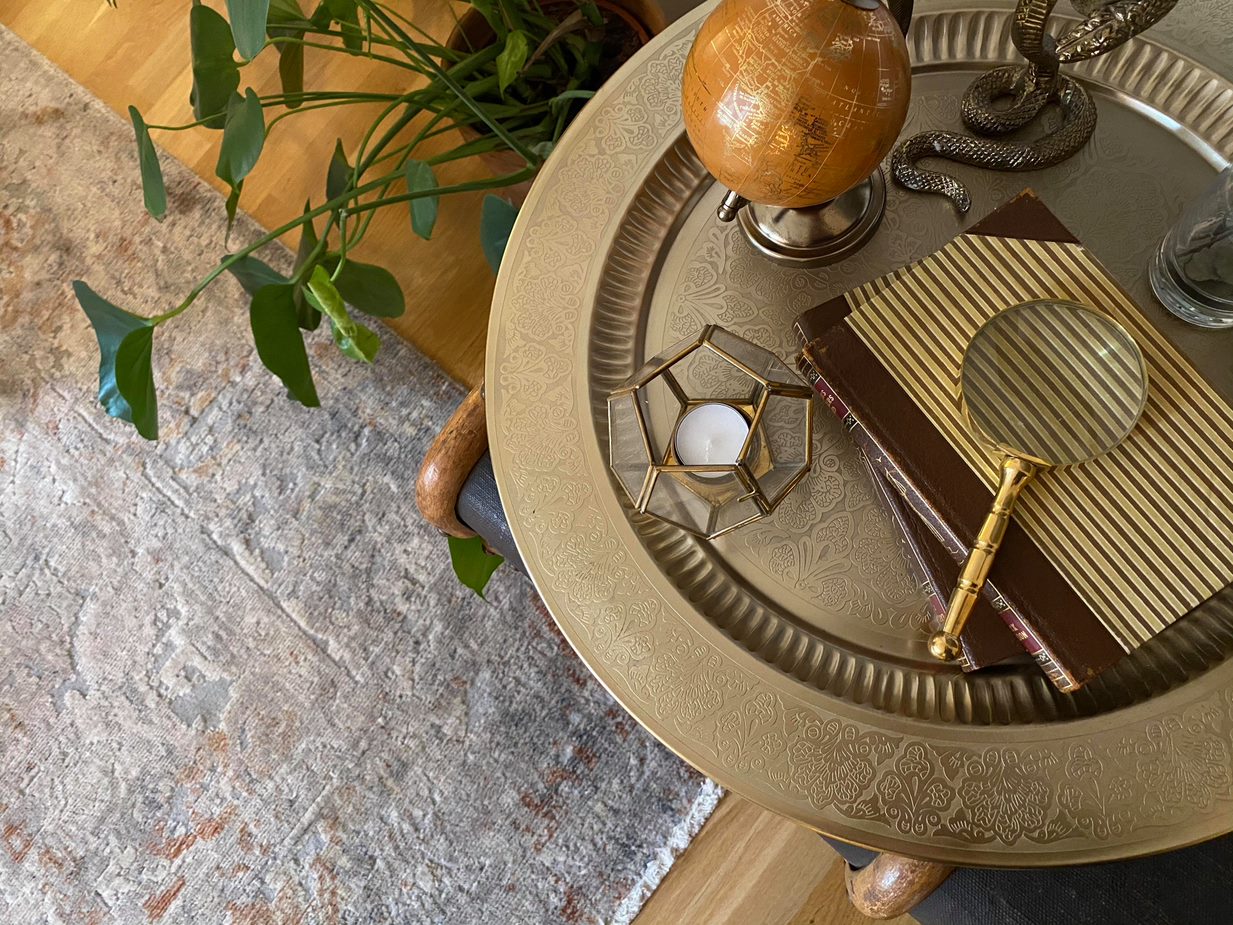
(1047, 383)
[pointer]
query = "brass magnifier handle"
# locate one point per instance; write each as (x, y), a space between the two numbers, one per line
(1016, 473)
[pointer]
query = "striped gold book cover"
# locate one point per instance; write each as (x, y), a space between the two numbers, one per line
(1143, 534)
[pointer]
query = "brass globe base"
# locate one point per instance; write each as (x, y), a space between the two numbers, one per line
(817, 236)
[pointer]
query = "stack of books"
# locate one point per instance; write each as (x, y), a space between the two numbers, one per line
(1099, 557)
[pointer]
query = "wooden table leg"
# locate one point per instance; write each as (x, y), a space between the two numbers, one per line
(450, 460)
(892, 884)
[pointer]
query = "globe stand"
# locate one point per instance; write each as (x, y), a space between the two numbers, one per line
(814, 236)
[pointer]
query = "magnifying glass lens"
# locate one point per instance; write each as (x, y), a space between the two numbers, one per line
(1054, 382)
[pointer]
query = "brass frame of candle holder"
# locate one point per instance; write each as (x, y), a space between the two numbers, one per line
(656, 466)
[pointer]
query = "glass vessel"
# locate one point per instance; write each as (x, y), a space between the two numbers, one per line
(711, 434)
(1192, 272)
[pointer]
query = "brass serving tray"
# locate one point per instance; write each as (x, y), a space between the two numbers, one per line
(787, 660)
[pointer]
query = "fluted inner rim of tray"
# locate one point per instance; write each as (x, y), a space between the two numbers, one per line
(1004, 695)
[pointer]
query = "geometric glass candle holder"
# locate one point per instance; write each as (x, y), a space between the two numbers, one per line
(711, 434)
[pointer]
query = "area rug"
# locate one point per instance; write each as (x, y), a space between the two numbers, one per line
(239, 682)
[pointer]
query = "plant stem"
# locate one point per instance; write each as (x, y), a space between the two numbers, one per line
(403, 153)
(308, 28)
(493, 125)
(342, 243)
(271, 236)
(265, 239)
(481, 145)
(425, 98)
(318, 249)
(364, 160)
(281, 99)
(312, 107)
(508, 179)
(396, 62)
(306, 96)
(180, 128)
(393, 12)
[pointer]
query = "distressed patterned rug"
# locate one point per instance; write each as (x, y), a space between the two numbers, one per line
(238, 680)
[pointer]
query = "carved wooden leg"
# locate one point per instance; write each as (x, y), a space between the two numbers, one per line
(891, 884)
(450, 460)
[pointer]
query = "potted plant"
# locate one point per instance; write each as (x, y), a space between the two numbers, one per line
(506, 83)
(607, 50)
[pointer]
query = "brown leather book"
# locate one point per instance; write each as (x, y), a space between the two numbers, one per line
(986, 640)
(1063, 633)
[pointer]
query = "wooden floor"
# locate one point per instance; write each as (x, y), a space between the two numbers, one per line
(747, 866)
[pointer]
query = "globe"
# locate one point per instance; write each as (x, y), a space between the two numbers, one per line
(791, 103)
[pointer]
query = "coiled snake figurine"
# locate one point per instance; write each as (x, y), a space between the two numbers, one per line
(1030, 87)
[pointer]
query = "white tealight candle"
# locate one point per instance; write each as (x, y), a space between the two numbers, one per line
(711, 435)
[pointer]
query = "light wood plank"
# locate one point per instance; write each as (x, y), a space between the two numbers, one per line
(749, 866)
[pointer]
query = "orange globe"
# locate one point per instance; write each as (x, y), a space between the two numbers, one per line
(792, 102)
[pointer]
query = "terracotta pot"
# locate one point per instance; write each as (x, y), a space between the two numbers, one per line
(644, 18)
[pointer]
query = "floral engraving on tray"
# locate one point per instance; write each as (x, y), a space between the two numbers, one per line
(913, 794)
(1001, 794)
(1181, 764)
(1097, 804)
(833, 762)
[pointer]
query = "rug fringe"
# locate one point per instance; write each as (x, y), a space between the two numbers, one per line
(678, 840)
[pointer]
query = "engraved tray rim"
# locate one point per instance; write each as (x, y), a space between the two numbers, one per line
(1032, 795)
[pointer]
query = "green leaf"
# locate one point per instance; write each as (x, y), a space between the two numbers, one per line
(291, 71)
(279, 343)
(496, 222)
(423, 211)
(328, 299)
(254, 274)
(511, 59)
(216, 76)
(513, 11)
(232, 204)
(561, 99)
(361, 344)
(125, 370)
(371, 289)
(308, 239)
(243, 139)
(310, 318)
(472, 563)
(338, 176)
(290, 55)
(285, 11)
(248, 19)
(352, 338)
(591, 12)
(152, 188)
(346, 13)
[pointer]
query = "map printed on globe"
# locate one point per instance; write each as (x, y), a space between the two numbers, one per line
(792, 102)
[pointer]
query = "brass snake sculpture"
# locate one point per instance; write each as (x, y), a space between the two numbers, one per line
(1030, 87)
